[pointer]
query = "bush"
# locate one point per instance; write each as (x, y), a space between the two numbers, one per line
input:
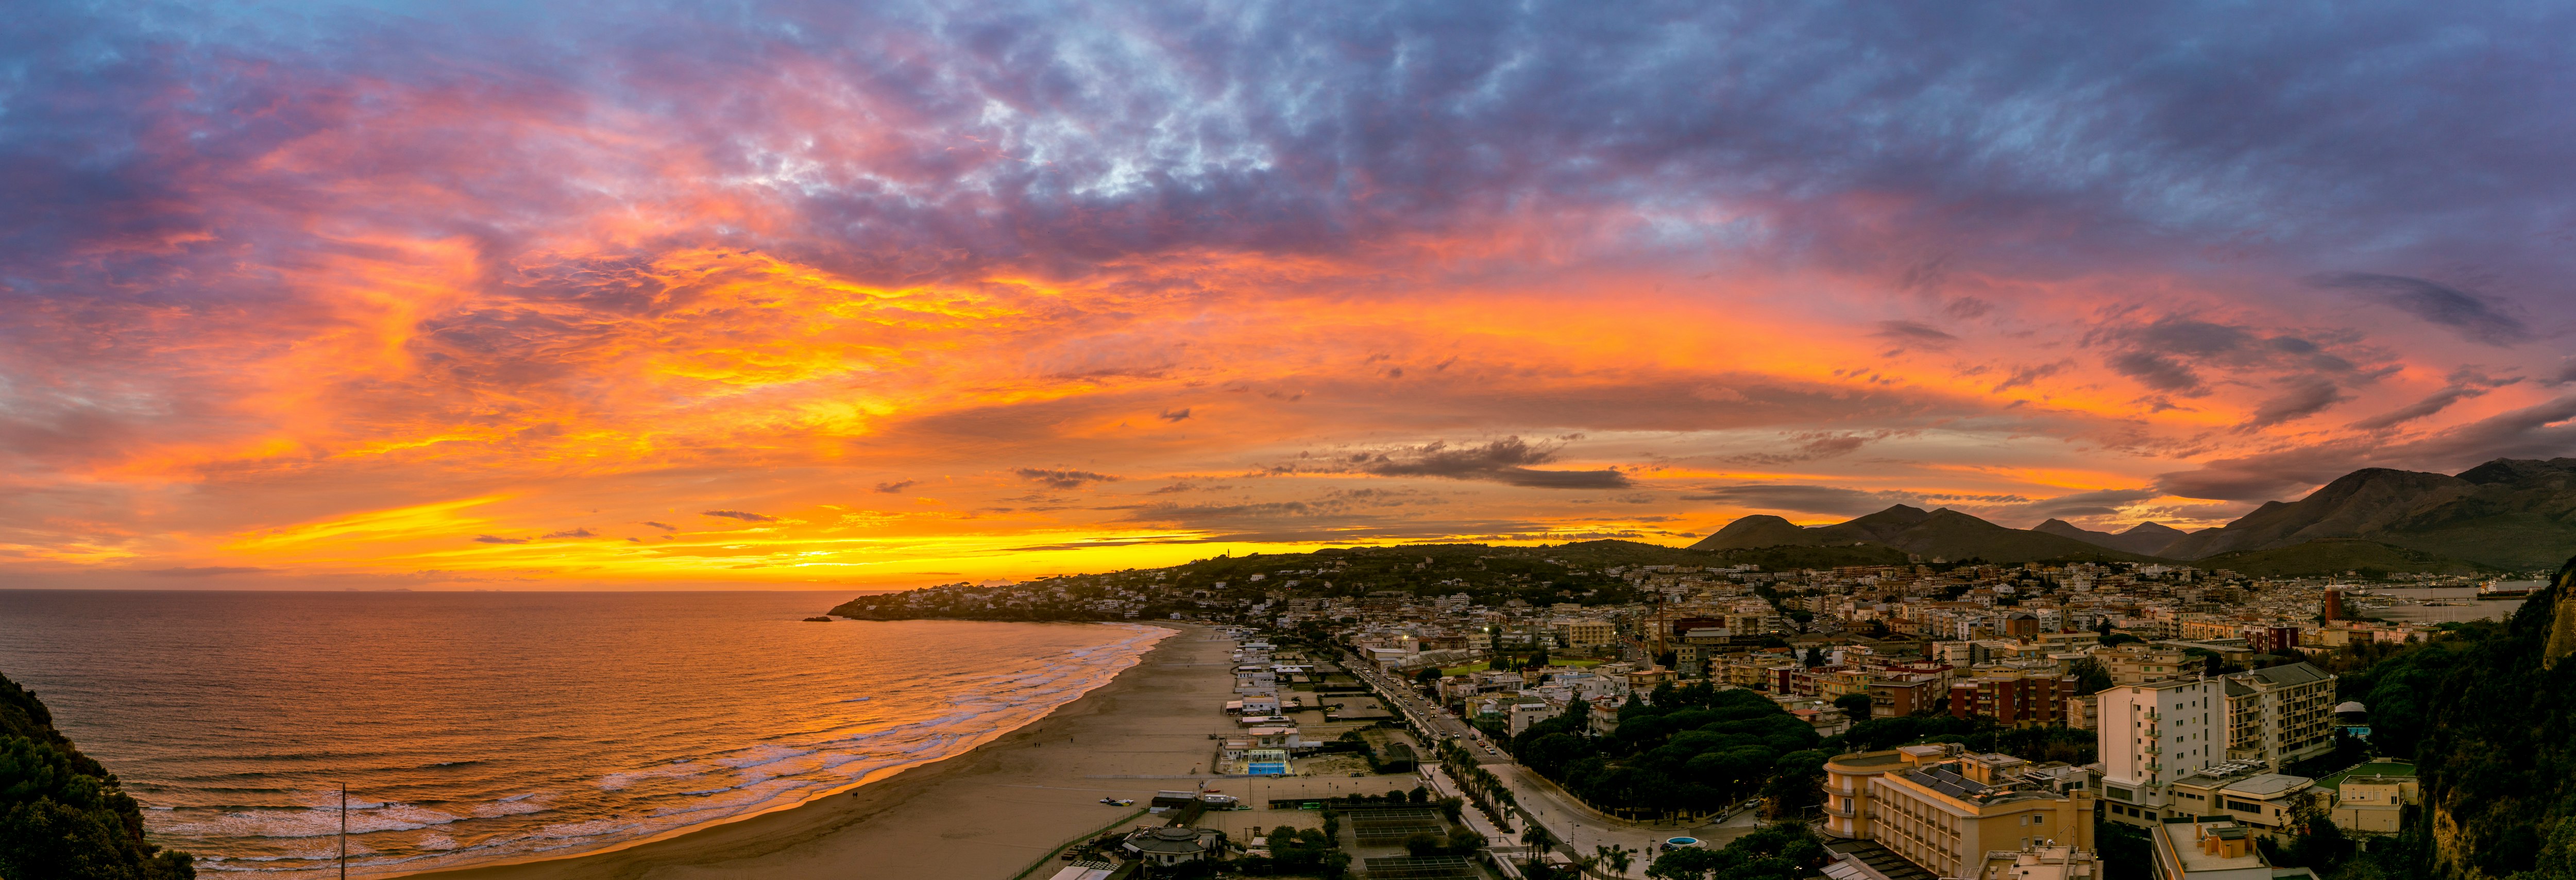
(62, 815)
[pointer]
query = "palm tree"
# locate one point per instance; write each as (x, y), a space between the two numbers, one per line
(1616, 856)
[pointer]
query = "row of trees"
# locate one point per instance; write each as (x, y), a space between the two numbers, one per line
(1693, 750)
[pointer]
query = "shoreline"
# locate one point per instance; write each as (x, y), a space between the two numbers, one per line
(984, 812)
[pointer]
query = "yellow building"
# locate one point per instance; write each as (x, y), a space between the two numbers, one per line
(1945, 812)
(1582, 633)
(2370, 799)
(2139, 664)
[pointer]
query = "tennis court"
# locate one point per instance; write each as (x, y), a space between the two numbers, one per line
(1390, 826)
(1411, 868)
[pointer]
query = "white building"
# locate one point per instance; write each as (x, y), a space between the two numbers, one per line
(2152, 734)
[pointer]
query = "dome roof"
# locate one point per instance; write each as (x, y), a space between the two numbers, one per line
(2350, 706)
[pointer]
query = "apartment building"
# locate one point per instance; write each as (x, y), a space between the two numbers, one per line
(1893, 696)
(2137, 664)
(2151, 734)
(2280, 714)
(2012, 697)
(1581, 634)
(1947, 816)
(2241, 791)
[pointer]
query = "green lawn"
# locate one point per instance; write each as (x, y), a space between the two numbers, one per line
(2381, 768)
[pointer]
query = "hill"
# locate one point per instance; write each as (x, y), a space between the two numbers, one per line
(2326, 557)
(1937, 534)
(61, 814)
(2514, 514)
(2147, 537)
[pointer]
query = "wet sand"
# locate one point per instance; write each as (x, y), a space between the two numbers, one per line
(983, 814)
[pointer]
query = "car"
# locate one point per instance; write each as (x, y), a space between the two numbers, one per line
(1115, 802)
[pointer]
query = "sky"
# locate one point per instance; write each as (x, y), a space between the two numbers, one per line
(877, 295)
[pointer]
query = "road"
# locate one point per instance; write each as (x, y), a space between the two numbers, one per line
(1540, 801)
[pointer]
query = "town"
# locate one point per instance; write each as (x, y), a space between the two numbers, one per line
(1636, 706)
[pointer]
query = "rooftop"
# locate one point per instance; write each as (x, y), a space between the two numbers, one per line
(2182, 838)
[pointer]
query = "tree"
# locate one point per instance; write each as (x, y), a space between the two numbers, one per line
(2091, 677)
(1428, 675)
(62, 815)
(1786, 851)
(1855, 706)
(1617, 857)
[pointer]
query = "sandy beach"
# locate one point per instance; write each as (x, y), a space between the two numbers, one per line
(983, 814)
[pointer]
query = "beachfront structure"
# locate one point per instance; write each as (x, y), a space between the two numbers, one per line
(1086, 870)
(1265, 762)
(1173, 846)
(1279, 738)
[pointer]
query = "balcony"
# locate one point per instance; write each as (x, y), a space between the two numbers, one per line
(1845, 812)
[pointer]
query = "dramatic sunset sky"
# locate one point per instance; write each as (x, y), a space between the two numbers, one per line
(849, 294)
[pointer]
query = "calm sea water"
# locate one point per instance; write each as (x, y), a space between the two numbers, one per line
(2461, 605)
(479, 727)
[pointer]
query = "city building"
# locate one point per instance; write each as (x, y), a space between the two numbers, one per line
(2280, 714)
(2151, 734)
(2012, 697)
(2139, 663)
(2242, 792)
(2039, 861)
(1945, 811)
(2212, 850)
(2371, 798)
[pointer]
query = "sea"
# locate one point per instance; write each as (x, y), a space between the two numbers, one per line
(478, 727)
(2458, 604)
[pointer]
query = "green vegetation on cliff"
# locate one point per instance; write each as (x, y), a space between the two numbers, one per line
(62, 816)
(2488, 712)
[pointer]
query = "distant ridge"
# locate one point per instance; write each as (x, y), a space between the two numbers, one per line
(2517, 514)
(2146, 537)
(1945, 534)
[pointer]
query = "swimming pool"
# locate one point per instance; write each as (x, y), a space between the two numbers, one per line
(1266, 769)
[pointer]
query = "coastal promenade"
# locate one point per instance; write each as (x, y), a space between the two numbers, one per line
(983, 814)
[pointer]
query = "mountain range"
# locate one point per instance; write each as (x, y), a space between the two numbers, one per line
(2507, 514)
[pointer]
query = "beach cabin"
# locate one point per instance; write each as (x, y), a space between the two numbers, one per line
(1276, 738)
(1260, 704)
(1233, 749)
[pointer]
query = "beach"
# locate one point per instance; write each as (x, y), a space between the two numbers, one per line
(986, 813)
